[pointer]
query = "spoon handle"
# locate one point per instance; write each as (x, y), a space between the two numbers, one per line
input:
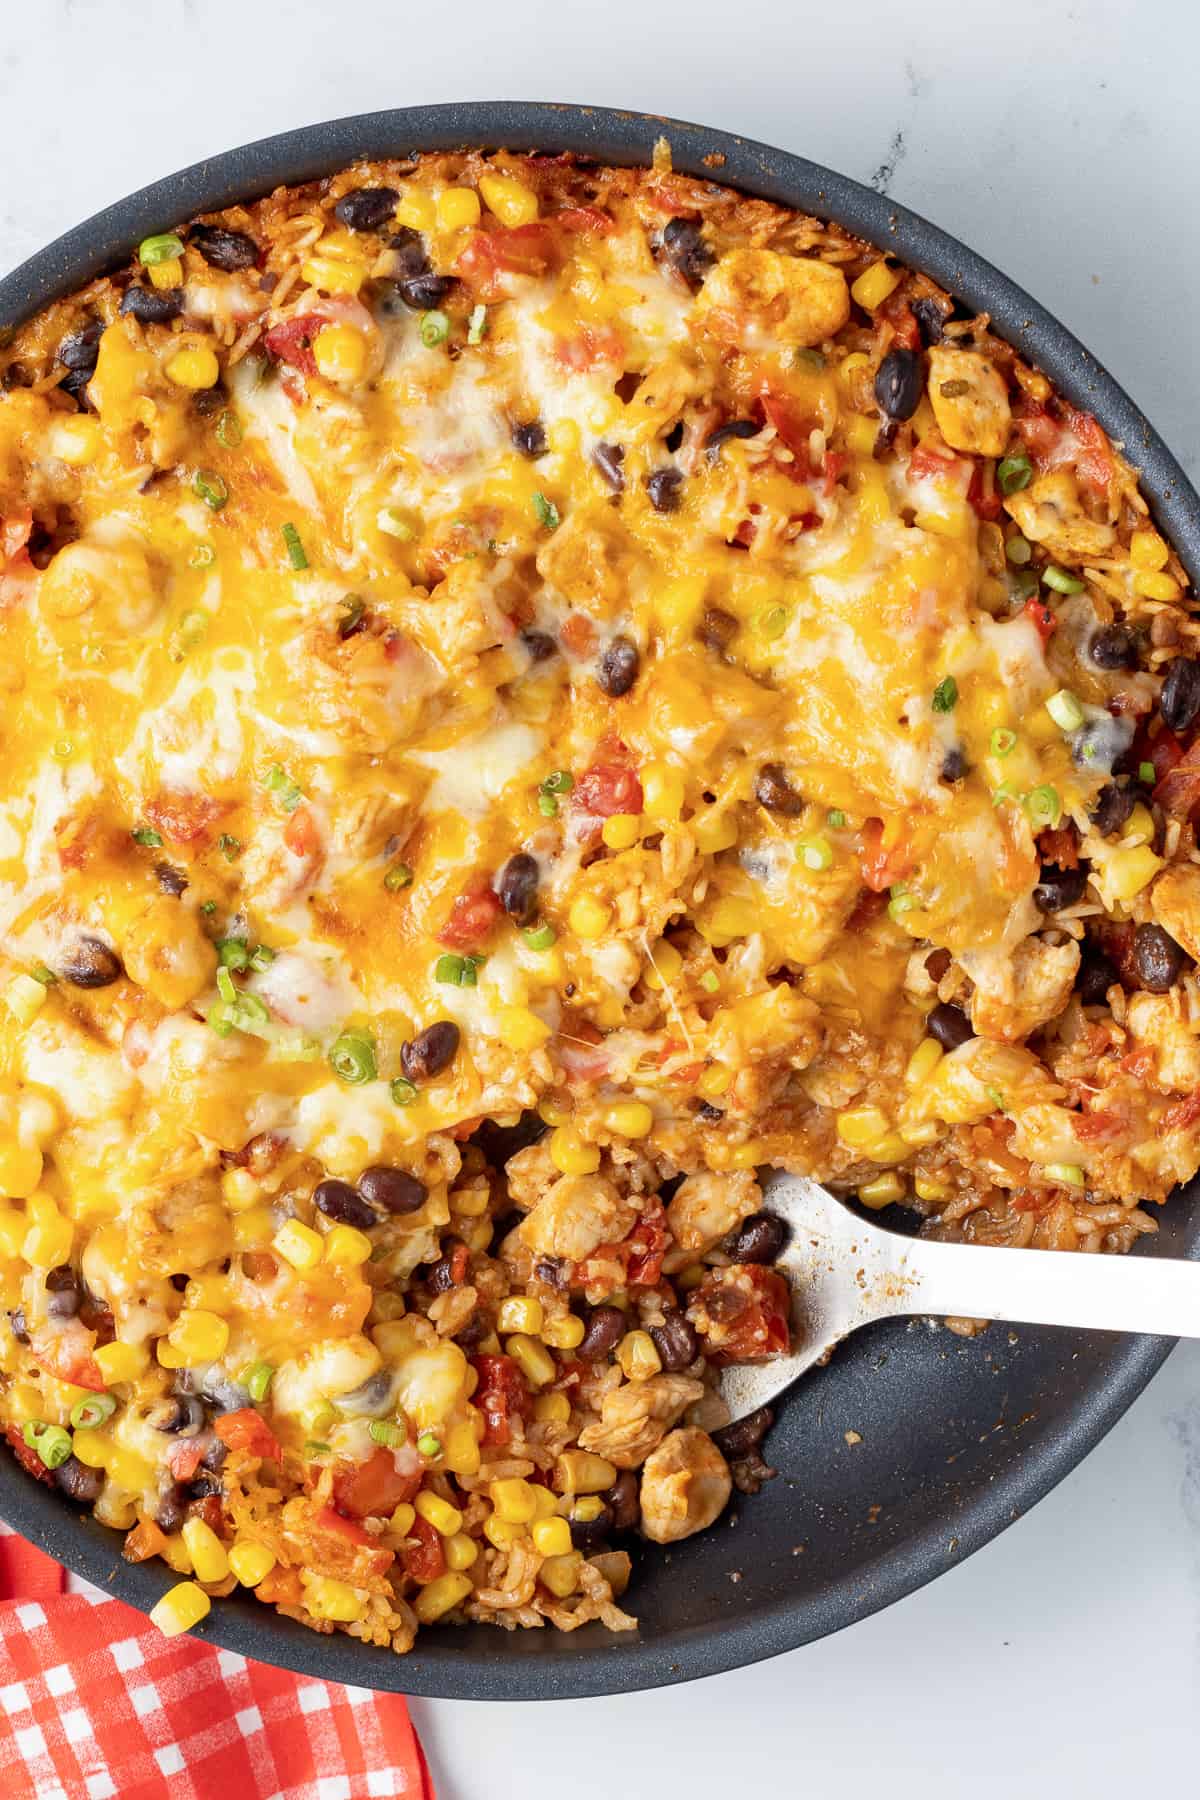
(1156, 1294)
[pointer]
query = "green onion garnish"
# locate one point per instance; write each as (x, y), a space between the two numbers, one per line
(159, 249)
(51, 1442)
(229, 846)
(315, 1447)
(547, 513)
(710, 981)
(233, 953)
(208, 907)
(1023, 584)
(1070, 1174)
(548, 806)
(227, 987)
(1147, 773)
(261, 958)
(147, 838)
(352, 1058)
(1006, 791)
(202, 557)
(434, 329)
(477, 325)
(1002, 741)
(561, 781)
(1018, 551)
(455, 970)
(229, 430)
(46, 976)
(815, 853)
(772, 622)
(837, 818)
(1014, 473)
(212, 490)
(945, 695)
(294, 548)
(354, 606)
(539, 937)
(87, 1414)
(901, 902)
(1065, 710)
(1044, 806)
(258, 1380)
(808, 359)
(284, 788)
(429, 1445)
(403, 1091)
(1061, 580)
(383, 1431)
(193, 629)
(398, 876)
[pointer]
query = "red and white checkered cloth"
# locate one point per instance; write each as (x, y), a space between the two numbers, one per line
(95, 1704)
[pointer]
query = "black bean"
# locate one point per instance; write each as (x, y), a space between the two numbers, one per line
(366, 209)
(663, 488)
(623, 1500)
(172, 1509)
(553, 1270)
(170, 880)
(177, 1413)
(1179, 701)
(469, 1336)
(90, 964)
(718, 629)
(744, 1435)
(676, 1342)
(221, 1393)
(773, 790)
(530, 439)
(1101, 743)
(618, 667)
(421, 293)
(204, 1483)
(589, 1534)
(224, 249)
(732, 428)
(899, 380)
(441, 1276)
(1157, 958)
(17, 1325)
(215, 1455)
(1097, 973)
(152, 306)
(388, 303)
(709, 1113)
(392, 1190)
(1112, 809)
(539, 644)
(431, 1051)
(412, 257)
(683, 247)
(1114, 647)
(342, 1203)
(954, 764)
(949, 1025)
(65, 1291)
(758, 1239)
(208, 402)
(931, 319)
(1058, 888)
(517, 886)
(79, 1482)
(606, 1327)
(608, 458)
(80, 352)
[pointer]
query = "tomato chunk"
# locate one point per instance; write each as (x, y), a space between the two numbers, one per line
(183, 817)
(471, 917)
(27, 1456)
(639, 1255)
(742, 1313)
(502, 1392)
(67, 1355)
(248, 1430)
(375, 1488)
(587, 219)
(1035, 608)
(292, 341)
(601, 791)
(508, 250)
(425, 1560)
(880, 866)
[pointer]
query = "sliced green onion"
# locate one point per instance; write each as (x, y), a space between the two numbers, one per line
(539, 937)
(1044, 806)
(815, 853)
(229, 846)
(25, 997)
(383, 1431)
(547, 513)
(429, 1445)
(1006, 791)
(211, 488)
(159, 249)
(772, 622)
(434, 329)
(1002, 741)
(398, 876)
(945, 695)
(94, 1410)
(457, 971)
(1147, 773)
(1065, 710)
(1014, 473)
(393, 523)
(294, 548)
(1018, 551)
(226, 987)
(710, 981)
(1070, 1174)
(148, 838)
(314, 1447)
(46, 976)
(901, 902)
(284, 788)
(1061, 580)
(229, 430)
(251, 1013)
(403, 1091)
(193, 629)
(352, 1058)
(257, 1380)
(233, 953)
(261, 957)
(202, 557)
(1023, 585)
(296, 1046)
(208, 908)
(996, 1098)
(808, 359)
(354, 606)
(548, 806)
(836, 818)
(477, 325)
(51, 1442)
(561, 781)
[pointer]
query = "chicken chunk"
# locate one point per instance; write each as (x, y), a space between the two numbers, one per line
(1014, 995)
(1176, 901)
(763, 295)
(685, 1485)
(1049, 513)
(167, 954)
(635, 1417)
(1153, 1022)
(708, 1205)
(576, 1216)
(589, 560)
(969, 400)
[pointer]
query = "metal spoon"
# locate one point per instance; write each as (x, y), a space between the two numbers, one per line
(846, 1271)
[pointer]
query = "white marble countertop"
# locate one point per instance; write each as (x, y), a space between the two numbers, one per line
(1058, 138)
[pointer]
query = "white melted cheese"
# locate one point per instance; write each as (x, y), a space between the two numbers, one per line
(474, 773)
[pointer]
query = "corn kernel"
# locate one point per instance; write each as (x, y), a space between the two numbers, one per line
(885, 1190)
(175, 1554)
(340, 353)
(662, 966)
(662, 792)
(715, 1080)
(638, 1357)
(690, 1278)
(563, 438)
(1139, 824)
(198, 1336)
(511, 201)
(329, 1599)
(923, 1061)
(167, 274)
(521, 1029)
(20, 1163)
(439, 1513)
(500, 1533)
(403, 1519)
(180, 1608)
(714, 832)
(1147, 550)
(48, 1243)
(919, 1131)
(620, 831)
(460, 1551)
(570, 1155)
(76, 441)
(874, 285)
(347, 1246)
(520, 1312)
(680, 604)
(210, 1291)
(1155, 585)
(892, 1147)
(862, 1126)
(566, 1332)
(551, 1537)
(513, 1501)
(729, 918)
(13, 1226)
(589, 918)
(439, 1597)
(580, 1472)
(929, 1189)
(92, 1448)
(206, 1550)
(416, 209)
(561, 1573)
(852, 368)
(629, 1119)
(251, 1562)
(551, 1113)
(334, 274)
(534, 1360)
(460, 1448)
(121, 1362)
(457, 208)
(1127, 872)
(194, 367)
(298, 1244)
(253, 1228)
(860, 433)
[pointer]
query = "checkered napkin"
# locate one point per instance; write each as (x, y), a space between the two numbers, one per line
(95, 1704)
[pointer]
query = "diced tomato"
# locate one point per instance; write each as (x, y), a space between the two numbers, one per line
(516, 250)
(1094, 462)
(184, 1458)
(900, 316)
(589, 347)
(15, 530)
(247, 1430)
(208, 1507)
(184, 817)
(300, 834)
(281, 1586)
(1108, 1122)
(742, 1313)
(471, 917)
(66, 1353)
(982, 493)
(931, 459)
(1035, 608)
(1060, 846)
(145, 1540)
(425, 1560)
(791, 428)
(28, 1457)
(1185, 1114)
(601, 791)
(375, 1488)
(587, 219)
(578, 633)
(1177, 774)
(329, 1519)
(638, 1255)
(357, 1551)
(292, 341)
(744, 535)
(502, 1391)
(1039, 431)
(880, 868)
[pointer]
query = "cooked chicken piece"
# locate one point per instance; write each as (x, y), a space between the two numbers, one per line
(1153, 1021)
(1049, 513)
(589, 560)
(576, 1216)
(1023, 991)
(685, 1484)
(766, 296)
(1176, 901)
(663, 393)
(635, 1417)
(167, 954)
(707, 1205)
(969, 400)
